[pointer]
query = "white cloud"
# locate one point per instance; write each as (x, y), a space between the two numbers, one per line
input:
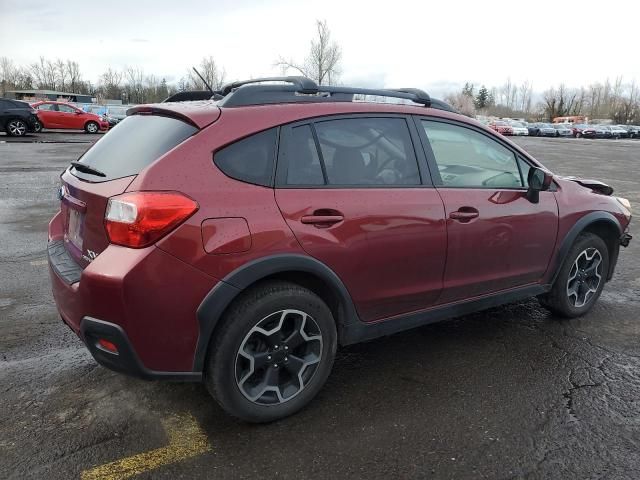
(433, 45)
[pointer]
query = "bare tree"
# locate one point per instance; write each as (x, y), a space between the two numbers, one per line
(134, 88)
(524, 97)
(323, 62)
(110, 84)
(212, 73)
(61, 74)
(73, 72)
(463, 103)
(9, 74)
(44, 73)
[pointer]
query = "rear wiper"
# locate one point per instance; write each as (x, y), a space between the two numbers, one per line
(84, 168)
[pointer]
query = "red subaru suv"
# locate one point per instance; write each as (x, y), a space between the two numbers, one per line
(239, 241)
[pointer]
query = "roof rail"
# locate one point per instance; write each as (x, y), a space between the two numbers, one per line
(191, 95)
(297, 89)
(305, 85)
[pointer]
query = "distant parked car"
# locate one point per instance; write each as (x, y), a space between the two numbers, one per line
(17, 118)
(618, 132)
(584, 131)
(519, 128)
(116, 114)
(603, 131)
(65, 115)
(545, 130)
(562, 130)
(501, 127)
(632, 130)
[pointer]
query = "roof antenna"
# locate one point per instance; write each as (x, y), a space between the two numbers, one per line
(204, 81)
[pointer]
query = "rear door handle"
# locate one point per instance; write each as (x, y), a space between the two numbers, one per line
(464, 214)
(321, 219)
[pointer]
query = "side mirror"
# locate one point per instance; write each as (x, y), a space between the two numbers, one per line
(539, 181)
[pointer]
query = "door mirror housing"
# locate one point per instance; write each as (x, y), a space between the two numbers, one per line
(539, 181)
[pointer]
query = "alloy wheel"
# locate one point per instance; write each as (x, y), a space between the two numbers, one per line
(584, 277)
(278, 357)
(17, 128)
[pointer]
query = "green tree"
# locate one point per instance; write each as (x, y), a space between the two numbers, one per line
(468, 89)
(482, 99)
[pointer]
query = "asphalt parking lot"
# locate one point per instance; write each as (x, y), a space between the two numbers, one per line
(511, 392)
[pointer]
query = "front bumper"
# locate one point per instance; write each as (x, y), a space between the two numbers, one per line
(625, 239)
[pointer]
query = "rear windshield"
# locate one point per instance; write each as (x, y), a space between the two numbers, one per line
(133, 144)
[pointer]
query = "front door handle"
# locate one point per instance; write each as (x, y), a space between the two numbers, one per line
(464, 214)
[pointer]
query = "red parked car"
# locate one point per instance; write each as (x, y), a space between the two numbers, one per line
(501, 127)
(239, 242)
(65, 115)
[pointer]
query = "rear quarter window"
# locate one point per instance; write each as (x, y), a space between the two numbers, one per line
(133, 144)
(250, 160)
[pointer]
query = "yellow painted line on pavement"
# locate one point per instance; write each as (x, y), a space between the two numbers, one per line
(37, 263)
(186, 440)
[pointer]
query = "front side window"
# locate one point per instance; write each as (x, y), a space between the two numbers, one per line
(251, 159)
(66, 109)
(469, 159)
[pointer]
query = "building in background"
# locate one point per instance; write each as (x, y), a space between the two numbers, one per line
(79, 98)
(34, 95)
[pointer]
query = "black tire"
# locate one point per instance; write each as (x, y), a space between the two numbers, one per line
(558, 300)
(91, 127)
(37, 127)
(578, 135)
(16, 127)
(224, 374)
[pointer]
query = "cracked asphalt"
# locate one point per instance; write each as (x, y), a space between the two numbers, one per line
(511, 392)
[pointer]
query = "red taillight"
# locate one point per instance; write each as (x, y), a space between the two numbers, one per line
(138, 219)
(107, 345)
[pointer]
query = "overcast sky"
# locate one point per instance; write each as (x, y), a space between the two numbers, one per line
(436, 45)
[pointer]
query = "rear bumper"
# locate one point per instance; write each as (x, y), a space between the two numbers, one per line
(126, 360)
(147, 293)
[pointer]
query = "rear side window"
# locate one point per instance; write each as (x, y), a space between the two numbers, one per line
(302, 155)
(353, 151)
(132, 145)
(249, 160)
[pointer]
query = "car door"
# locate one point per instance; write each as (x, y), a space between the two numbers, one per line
(497, 239)
(351, 191)
(48, 115)
(70, 117)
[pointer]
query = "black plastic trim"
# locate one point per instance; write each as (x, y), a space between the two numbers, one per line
(576, 230)
(126, 360)
(360, 331)
(62, 263)
(350, 329)
(219, 298)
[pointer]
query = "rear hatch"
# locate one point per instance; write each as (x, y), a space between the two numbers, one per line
(107, 169)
